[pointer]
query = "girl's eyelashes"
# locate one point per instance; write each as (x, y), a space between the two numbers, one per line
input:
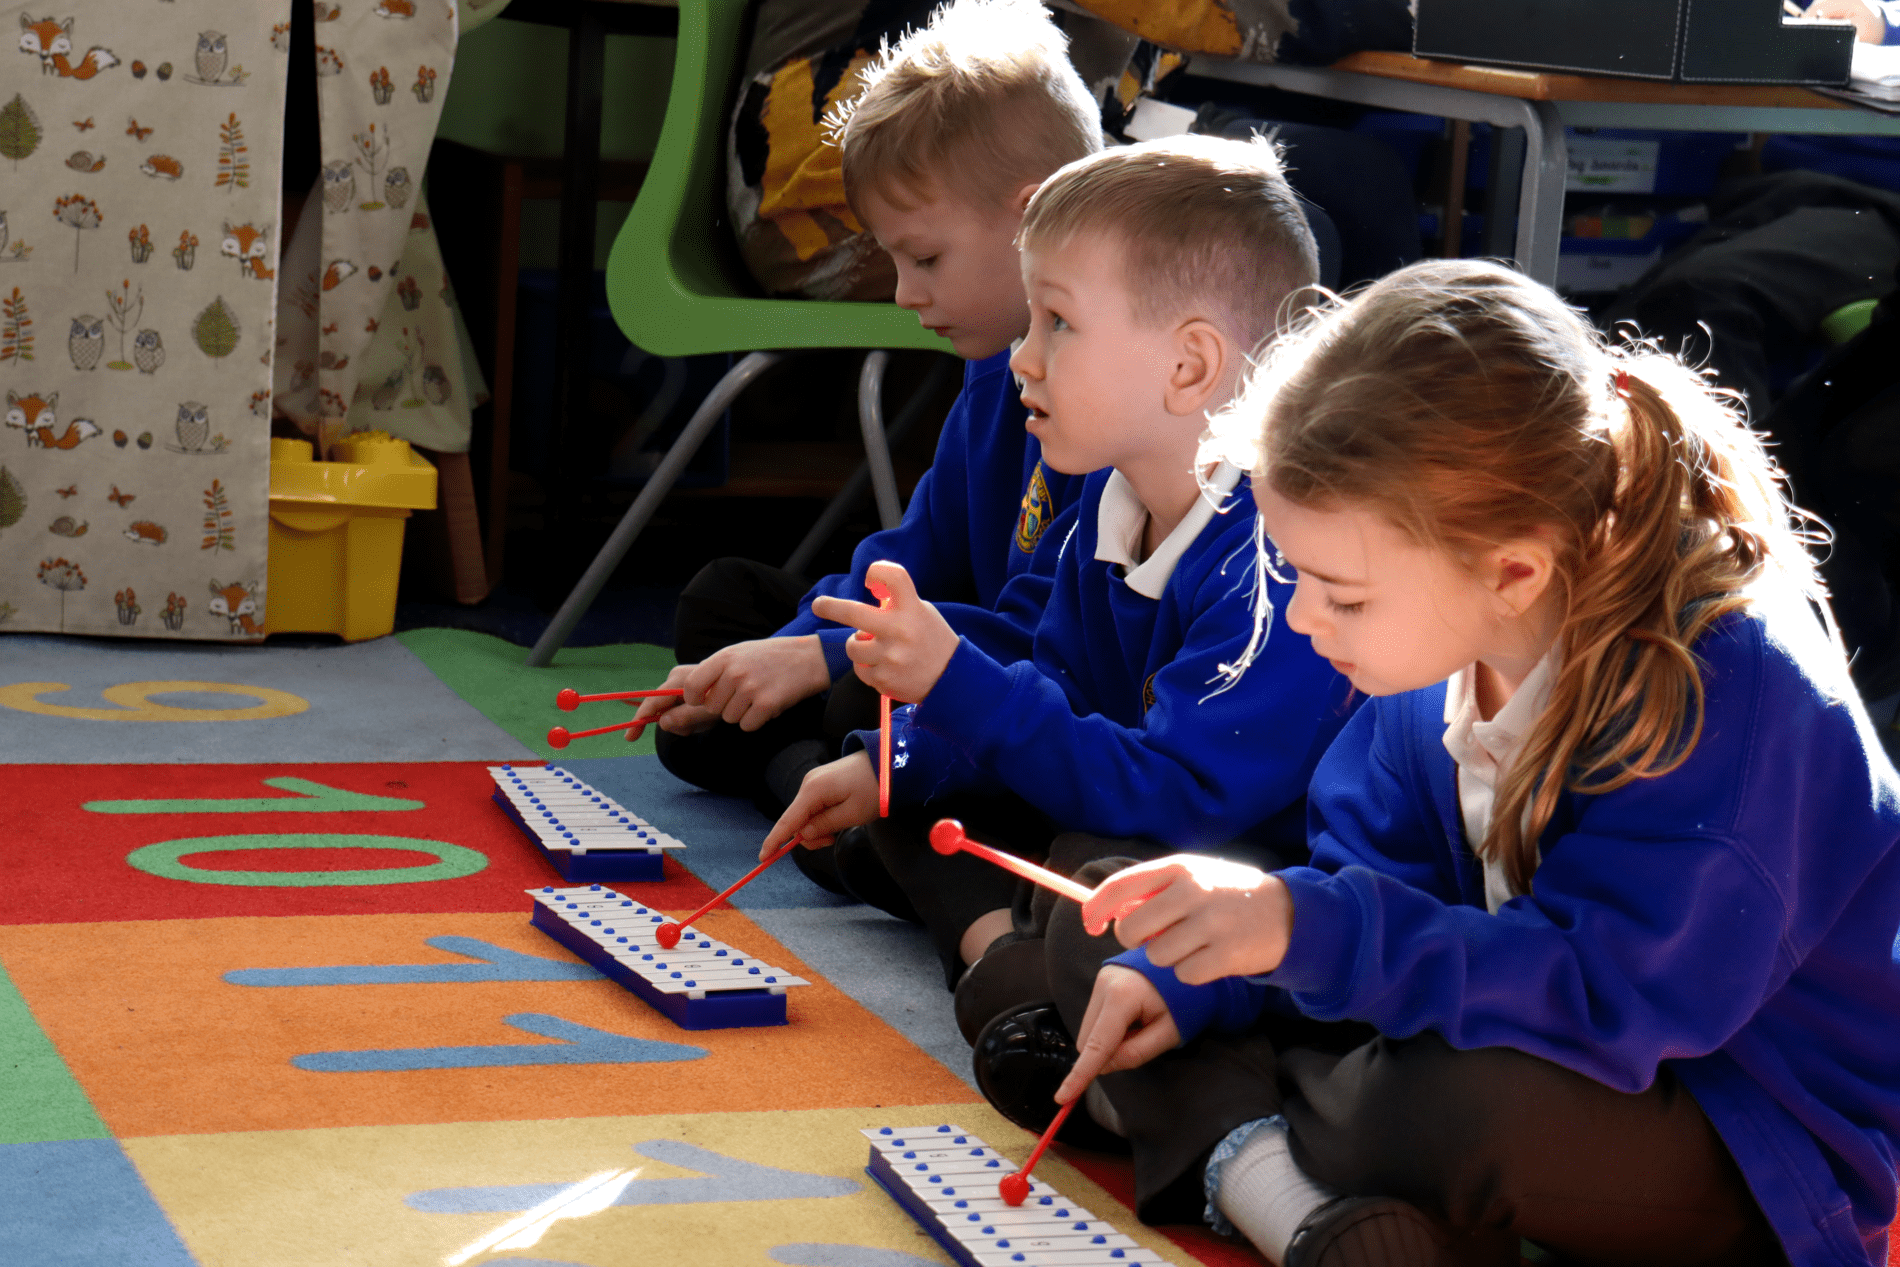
(1346, 609)
(1057, 322)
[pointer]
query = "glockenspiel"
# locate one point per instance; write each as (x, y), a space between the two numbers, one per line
(584, 834)
(945, 1178)
(699, 984)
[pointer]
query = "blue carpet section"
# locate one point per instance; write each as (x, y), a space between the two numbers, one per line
(579, 1045)
(884, 963)
(368, 701)
(722, 834)
(80, 1203)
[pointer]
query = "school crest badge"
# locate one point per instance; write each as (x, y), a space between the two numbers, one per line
(1034, 520)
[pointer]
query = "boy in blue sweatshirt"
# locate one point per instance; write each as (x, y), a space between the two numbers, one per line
(1151, 271)
(955, 127)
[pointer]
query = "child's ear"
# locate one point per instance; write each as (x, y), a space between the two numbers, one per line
(1202, 361)
(1019, 203)
(1521, 573)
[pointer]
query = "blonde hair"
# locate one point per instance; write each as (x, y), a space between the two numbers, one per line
(979, 102)
(1207, 226)
(1469, 406)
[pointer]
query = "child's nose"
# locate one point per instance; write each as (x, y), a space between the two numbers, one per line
(1300, 611)
(1025, 361)
(910, 291)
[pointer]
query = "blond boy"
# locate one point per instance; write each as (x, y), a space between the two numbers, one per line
(1151, 272)
(956, 126)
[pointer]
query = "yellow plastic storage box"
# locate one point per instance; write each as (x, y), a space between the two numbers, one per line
(336, 533)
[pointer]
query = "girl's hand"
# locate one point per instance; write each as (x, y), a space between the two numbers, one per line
(910, 643)
(1126, 1025)
(832, 798)
(1206, 918)
(747, 684)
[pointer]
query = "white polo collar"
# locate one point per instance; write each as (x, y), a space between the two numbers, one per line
(1121, 520)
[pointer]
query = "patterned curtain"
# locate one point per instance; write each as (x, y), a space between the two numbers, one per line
(140, 155)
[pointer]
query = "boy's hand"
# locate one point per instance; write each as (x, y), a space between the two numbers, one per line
(747, 684)
(1126, 1025)
(1206, 918)
(909, 644)
(832, 798)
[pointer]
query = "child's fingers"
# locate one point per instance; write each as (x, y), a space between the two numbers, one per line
(1103, 1027)
(1123, 894)
(895, 582)
(846, 612)
(1152, 922)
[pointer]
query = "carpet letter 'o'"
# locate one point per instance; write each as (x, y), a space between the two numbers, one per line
(166, 860)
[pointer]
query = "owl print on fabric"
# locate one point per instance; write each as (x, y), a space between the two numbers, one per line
(148, 351)
(211, 56)
(339, 186)
(86, 341)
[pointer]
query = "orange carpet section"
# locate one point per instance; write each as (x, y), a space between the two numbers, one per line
(164, 1045)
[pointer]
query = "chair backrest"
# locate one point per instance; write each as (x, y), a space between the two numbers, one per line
(672, 282)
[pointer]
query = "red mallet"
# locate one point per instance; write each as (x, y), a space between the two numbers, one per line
(946, 837)
(668, 935)
(559, 737)
(1014, 1189)
(570, 699)
(882, 593)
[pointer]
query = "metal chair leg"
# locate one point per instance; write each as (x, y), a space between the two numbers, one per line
(853, 492)
(877, 454)
(737, 379)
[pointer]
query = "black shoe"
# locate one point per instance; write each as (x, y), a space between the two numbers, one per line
(1010, 973)
(1021, 1057)
(1387, 1232)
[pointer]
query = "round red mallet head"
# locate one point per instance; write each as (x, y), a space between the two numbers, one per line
(557, 737)
(946, 836)
(1014, 1189)
(668, 935)
(568, 700)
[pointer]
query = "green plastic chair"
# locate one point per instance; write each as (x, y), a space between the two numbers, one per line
(676, 288)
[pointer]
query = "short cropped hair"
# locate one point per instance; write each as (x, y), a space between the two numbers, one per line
(1208, 225)
(979, 102)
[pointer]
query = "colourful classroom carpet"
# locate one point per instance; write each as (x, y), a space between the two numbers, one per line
(269, 996)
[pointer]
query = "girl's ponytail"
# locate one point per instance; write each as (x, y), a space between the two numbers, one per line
(1695, 515)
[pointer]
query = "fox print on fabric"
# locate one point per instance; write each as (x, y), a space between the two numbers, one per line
(250, 247)
(53, 41)
(237, 604)
(36, 415)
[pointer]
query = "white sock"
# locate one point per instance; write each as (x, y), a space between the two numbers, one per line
(1264, 1194)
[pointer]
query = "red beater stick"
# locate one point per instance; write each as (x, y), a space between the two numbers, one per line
(946, 837)
(1014, 1189)
(570, 699)
(559, 737)
(882, 592)
(668, 935)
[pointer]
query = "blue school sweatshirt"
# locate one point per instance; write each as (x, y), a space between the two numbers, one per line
(1117, 724)
(1735, 918)
(975, 520)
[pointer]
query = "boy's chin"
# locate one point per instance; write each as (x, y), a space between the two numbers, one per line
(977, 347)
